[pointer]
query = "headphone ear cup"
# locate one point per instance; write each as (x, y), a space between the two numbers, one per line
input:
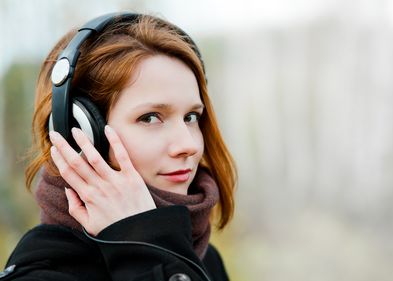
(88, 118)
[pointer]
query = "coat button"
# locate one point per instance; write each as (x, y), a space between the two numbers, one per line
(179, 277)
(7, 271)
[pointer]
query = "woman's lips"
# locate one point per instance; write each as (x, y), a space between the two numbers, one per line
(178, 176)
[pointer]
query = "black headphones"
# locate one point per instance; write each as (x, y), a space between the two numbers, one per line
(79, 111)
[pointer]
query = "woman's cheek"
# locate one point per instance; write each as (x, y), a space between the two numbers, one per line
(200, 140)
(142, 151)
(130, 145)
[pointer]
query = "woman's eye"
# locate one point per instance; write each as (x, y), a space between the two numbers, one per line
(150, 118)
(192, 117)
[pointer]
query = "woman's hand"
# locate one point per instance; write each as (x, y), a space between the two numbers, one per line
(100, 195)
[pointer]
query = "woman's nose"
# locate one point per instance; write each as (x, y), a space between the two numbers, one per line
(184, 142)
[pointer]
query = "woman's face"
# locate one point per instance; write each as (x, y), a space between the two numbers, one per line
(156, 117)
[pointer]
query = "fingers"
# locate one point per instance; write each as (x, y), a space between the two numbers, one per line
(70, 161)
(119, 151)
(91, 153)
(68, 174)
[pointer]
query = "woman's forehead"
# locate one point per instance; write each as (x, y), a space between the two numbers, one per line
(162, 80)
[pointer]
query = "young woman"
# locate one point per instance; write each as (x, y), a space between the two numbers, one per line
(132, 194)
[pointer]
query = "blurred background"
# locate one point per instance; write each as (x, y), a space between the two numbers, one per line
(303, 91)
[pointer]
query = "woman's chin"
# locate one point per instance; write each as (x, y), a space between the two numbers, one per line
(179, 188)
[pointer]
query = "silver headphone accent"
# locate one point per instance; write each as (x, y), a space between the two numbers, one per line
(60, 71)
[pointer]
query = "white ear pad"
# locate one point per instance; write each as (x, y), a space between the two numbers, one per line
(81, 119)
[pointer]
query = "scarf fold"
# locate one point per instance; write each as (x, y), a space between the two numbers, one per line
(202, 196)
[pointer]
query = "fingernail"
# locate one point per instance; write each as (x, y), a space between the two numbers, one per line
(108, 129)
(75, 132)
(53, 149)
(53, 136)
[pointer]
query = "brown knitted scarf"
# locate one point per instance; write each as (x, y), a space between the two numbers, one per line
(202, 196)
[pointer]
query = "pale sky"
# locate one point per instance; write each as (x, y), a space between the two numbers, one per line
(30, 28)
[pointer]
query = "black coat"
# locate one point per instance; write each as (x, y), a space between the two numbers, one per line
(154, 245)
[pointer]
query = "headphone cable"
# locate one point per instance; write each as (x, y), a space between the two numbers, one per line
(138, 243)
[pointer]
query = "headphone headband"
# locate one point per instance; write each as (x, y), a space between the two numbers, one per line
(63, 70)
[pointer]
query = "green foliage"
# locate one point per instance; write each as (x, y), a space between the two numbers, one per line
(17, 208)
(19, 85)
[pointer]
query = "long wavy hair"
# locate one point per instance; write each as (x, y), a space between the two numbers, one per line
(103, 70)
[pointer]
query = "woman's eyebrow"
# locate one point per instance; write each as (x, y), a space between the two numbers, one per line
(198, 106)
(165, 106)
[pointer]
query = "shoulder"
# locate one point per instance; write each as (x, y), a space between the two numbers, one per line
(49, 240)
(52, 246)
(214, 264)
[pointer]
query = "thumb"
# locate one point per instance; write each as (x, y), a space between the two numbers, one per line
(76, 208)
